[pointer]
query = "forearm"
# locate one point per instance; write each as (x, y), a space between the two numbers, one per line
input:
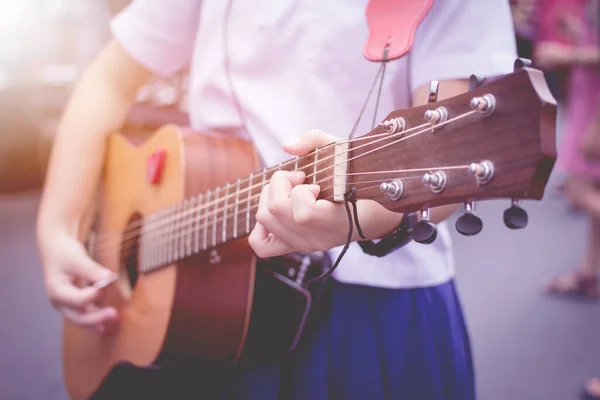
(97, 107)
(553, 55)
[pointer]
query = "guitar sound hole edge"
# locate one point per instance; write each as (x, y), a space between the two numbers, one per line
(128, 261)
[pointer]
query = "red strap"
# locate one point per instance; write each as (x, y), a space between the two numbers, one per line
(393, 23)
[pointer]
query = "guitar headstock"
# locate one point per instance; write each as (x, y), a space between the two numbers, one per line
(495, 141)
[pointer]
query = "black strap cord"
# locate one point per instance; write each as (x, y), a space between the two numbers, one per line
(350, 195)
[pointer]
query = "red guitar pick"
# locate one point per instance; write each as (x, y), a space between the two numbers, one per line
(155, 165)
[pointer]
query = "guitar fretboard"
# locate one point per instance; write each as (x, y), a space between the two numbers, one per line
(219, 215)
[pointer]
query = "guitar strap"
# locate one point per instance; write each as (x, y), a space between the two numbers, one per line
(392, 25)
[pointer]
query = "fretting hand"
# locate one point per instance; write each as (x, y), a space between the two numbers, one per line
(290, 218)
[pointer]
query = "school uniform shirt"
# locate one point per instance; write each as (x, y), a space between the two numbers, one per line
(296, 65)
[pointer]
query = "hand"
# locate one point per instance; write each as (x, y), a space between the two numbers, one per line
(66, 263)
(290, 218)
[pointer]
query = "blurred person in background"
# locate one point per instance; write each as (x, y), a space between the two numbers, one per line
(567, 36)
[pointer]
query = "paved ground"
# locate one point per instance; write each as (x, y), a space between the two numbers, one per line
(527, 346)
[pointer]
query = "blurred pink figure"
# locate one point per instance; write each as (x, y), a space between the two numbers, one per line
(567, 38)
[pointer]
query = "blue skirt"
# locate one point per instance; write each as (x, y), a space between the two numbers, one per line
(369, 343)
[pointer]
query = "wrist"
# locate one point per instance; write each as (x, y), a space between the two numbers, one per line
(48, 232)
(375, 220)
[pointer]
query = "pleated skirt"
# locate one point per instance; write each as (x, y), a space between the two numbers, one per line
(365, 343)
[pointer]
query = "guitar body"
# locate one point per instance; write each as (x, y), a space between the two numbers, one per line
(173, 213)
(190, 310)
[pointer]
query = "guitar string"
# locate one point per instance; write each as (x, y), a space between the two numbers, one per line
(384, 136)
(223, 215)
(173, 253)
(159, 223)
(164, 262)
(182, 231)
(155, 221)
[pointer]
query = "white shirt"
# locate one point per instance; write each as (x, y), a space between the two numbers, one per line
(299, 64)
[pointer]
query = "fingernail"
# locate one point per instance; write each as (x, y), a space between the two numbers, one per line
(299, 174)
(105, 282)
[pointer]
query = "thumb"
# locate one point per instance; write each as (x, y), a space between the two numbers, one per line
(90, 271)
(308, 142)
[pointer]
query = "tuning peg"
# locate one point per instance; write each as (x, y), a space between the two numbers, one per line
(521, 63)
(394, 125)
(515, 217)
(424, 231)
(469, 224)
(475, 81)
(433, 91)
(436, 181)
(394, 189)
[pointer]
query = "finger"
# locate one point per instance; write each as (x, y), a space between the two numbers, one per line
(263, 215)
(266, 244)
(67, 294)
(82, 266)
(108, 325)
(282, 226)
(280, 186)
(303, 199)
(91, 319)
(308, 142)
(317, 215)
(314, 215)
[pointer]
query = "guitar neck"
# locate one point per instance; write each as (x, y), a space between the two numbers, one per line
(222, 214)
(495, 141)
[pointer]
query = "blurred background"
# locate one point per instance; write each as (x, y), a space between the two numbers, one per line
(528, 344)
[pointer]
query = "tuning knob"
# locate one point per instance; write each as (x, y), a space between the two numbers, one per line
(424, 231)
(515, 217)
(469, 224)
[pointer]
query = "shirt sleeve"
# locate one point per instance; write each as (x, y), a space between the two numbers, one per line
(459, 38)
(159, 34)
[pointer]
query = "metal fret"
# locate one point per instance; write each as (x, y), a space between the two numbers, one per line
(224, 233)
(189, 223)
(207, 207)
(159, 250)
(235, 212)
(296, 163)
(175, 233)
(215, 212)
(198, 223)
(251, 177)
(169, 234)
(162, 236)
(184, 230)
(315, 167)
(181, 231)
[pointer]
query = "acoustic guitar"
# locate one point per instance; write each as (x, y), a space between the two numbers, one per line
(175, 210)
